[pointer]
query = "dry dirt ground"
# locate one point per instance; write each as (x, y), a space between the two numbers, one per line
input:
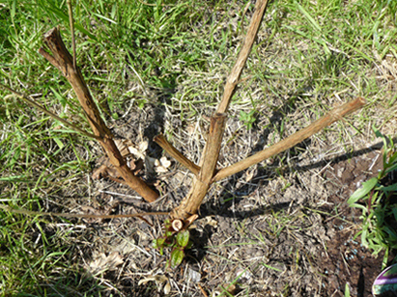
(282, 228)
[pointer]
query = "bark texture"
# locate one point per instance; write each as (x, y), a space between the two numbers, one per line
(62, 60)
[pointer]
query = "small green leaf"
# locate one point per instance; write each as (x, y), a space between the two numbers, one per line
(59, 142)
(189, 245)
(377, 133)
(167, 224)
(14, 178)
(347, 290)
(364, 235)
(15, 157)
(243, 115)
(60, 98)
(392, 188)
(13, 9)
(391, 168)
(362, 207)
(364, 190)
(183, 238)
(177, 256)
(392, 158)
(248, 118)
(159, 242)
(377, 195)
(141, 103)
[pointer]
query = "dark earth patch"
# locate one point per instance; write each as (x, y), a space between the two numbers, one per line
(348, 260)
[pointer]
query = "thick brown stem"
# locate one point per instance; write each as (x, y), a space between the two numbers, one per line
(208, 164)
(62, 60)
(328, 119)
(191, 203)
(177, 155)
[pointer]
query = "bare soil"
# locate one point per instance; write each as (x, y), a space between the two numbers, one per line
(348, 261)
(282, 228)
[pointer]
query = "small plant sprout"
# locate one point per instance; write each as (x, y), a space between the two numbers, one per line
(248, 118)
(347, 290)
(177, 237)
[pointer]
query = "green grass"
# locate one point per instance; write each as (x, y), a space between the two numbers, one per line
(376, 200)
(175, 54)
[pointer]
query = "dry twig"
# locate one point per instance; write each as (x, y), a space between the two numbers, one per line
(85, 216)
(49, 113)
(333, 116)
(191, 203)
(177, 155)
